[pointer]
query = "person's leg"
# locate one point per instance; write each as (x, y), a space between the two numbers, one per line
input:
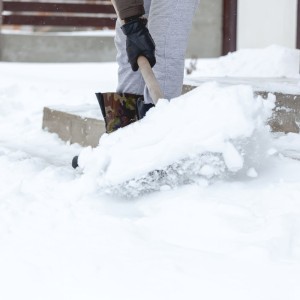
(128, 81)
(122, 107)
(170, 22)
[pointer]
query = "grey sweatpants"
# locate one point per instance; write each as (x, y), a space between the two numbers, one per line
(169, 23)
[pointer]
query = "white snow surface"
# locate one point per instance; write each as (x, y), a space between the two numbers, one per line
(231, 236)
(272, 61)
(204, 133)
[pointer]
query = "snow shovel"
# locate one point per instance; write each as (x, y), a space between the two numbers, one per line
(151, 83)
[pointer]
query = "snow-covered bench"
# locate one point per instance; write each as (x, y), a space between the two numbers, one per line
(67, 17)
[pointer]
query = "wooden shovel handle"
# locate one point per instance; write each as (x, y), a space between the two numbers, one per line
(150, 79)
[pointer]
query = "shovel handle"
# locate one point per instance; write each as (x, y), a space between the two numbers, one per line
(150, 79)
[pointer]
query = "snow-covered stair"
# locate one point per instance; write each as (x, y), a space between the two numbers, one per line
(74, 126)
(85, 125)
(286, 115)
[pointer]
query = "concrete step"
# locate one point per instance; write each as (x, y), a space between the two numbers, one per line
(286, 115)
(72, 127)
(86, 128)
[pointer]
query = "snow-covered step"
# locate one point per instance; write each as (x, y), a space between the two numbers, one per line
(286, 115)
(74, 126)
(85, 125)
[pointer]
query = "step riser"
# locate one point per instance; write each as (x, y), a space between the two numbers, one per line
(72, 128)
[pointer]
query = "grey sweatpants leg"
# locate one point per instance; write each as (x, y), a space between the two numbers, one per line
(169, 22)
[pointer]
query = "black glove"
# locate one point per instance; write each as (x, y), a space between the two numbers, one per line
(142, 108)
(139, 42)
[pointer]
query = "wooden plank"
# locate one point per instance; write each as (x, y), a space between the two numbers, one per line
(17, 6)
(298, 25)
(1, 9)
(59, 21)
(229, 26)
(1, 40)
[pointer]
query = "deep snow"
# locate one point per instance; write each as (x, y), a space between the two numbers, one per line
(209, 132)
(61, 237)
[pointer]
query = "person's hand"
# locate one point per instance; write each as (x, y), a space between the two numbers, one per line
(139, 42)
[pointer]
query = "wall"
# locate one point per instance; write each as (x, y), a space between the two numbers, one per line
(265, 22)
(56, 48)
(205, 41)
(206, 36)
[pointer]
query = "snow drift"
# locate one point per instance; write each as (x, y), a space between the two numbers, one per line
(60, 239)
(272, 61)
(206, 133)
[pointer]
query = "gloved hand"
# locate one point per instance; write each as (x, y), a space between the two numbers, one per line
(139, 42)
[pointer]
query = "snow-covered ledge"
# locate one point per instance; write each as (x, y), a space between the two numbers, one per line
(73, 124)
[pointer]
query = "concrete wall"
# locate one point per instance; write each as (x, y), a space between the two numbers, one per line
(265, 22)
(206, 36)
(205, 41)
(56, 48)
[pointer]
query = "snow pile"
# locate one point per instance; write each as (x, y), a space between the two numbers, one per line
(272, 61)
(205, 133)
(60, 239)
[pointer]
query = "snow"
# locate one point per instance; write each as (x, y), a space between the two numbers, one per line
(272, 61)
(218, 126)
(274, 68)
(235, 236)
